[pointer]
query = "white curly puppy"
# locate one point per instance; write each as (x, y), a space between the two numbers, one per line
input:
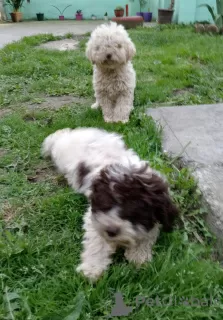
(110, 50)
(128, 200)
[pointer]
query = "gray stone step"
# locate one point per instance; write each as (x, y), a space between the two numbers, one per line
(195, 134)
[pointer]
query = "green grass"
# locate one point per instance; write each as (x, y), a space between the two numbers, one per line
(41, 218)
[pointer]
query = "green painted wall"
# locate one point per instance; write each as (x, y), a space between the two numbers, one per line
(202, 13)
(88, 7)
(186, 11)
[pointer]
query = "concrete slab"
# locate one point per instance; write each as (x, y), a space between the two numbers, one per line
(195, 133)
(10, 32)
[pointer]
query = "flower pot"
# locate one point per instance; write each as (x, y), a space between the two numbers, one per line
(119, 13)
(40, 16)
(165, 16)
(16, 16)
(79, 16)
(61, 17)
(147, 16)
(139, 14)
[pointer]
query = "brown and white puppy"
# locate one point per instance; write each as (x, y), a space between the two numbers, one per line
(129, 201)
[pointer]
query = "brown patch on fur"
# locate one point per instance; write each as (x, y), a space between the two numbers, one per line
(199, 28)
(143, 198)
(211, 28)
(82, 172)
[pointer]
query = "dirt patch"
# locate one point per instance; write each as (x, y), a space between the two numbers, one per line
(4, 112)
(61, 45)
(9, 212)
(58, 102)
(2, 152)
(179, 92)
(41, 174)
(29, 117)
(47, 173)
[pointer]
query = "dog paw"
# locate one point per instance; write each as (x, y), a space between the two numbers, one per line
(137, 257)
(91, 272)
(120, 120)
(95, 105)
(108, 120)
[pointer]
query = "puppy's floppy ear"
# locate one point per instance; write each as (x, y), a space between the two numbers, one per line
(130, 50)
(88, 50)
(165, 211)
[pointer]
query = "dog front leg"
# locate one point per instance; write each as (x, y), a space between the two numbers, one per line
(143, 252)
(95, 105)
(123, 108)
(96, 255)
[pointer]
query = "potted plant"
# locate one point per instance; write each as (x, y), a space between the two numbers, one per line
(106, 16)
(142, 4)
(61, 17)
(147, 16)
(16, 5)
(165, 15)
(79, 15)
(119, 11)
(40, 16)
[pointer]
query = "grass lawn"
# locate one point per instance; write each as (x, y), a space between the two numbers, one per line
(41, 217)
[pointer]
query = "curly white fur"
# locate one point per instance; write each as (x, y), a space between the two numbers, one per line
(84, 155)
(110, 50)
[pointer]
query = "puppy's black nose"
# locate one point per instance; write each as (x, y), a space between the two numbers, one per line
(112, 231)
(109, 56)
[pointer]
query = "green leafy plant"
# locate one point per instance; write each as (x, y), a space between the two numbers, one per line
(79, 12)
(172, 4)
(218, 18)
(106, 14)
(15, 4)
(62, 12)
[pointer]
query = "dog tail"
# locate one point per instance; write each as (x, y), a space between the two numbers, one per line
(50, 141)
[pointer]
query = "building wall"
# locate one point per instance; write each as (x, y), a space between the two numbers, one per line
(203, 14)
(88, 7)
(186, 11)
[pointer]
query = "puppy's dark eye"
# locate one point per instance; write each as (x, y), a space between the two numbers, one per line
(97, 48)
(119, 46)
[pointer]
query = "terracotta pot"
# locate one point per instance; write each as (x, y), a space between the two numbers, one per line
(165, 16)
(61, 17)
(119, 13)
(16, 16)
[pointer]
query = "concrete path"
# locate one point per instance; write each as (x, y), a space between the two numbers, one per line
(15, 31)
(195, 133)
